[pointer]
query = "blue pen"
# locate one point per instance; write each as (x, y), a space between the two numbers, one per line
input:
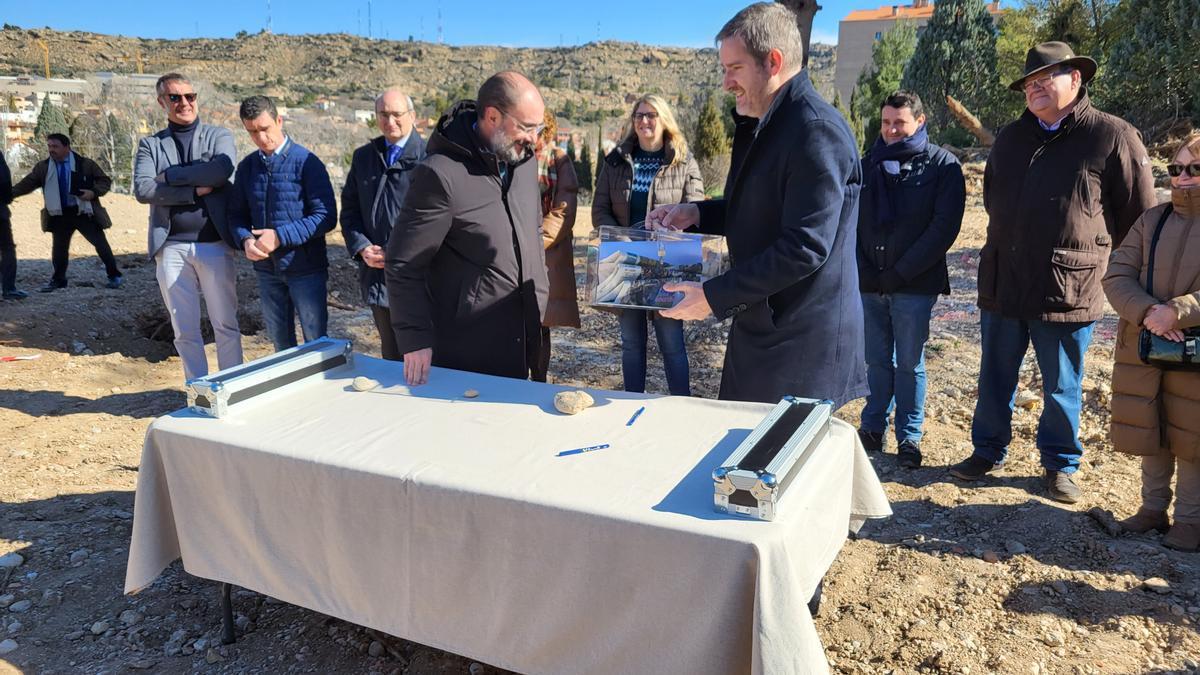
(578, 451)
(635, 416)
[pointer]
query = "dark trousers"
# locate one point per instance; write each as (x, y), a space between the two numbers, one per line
(62, 228)
(286, 296)
(541, 366)
(387, 337)
(8, 257)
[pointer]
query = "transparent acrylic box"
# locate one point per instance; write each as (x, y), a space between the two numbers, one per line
(627, 266)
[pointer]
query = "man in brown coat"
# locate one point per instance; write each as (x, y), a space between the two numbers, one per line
(560, 199)
(1063, 184)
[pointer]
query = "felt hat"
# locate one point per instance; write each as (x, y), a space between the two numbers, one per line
(1054, 55)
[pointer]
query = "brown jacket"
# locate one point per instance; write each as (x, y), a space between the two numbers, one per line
(1056, 202)
(674, 183)
(1156, 411)
(562, 307)
(83, 166)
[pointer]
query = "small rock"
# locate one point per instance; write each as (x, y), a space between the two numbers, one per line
(15, 627)
(471, 393)
(1015, 547)
(99, 627)
(990, 557)
(8, 646)
(129, 617)
(376, 649)
(1059, 587)
(7, 599)
(212, 656)
(572, 402)
(142, 664)
(475, 668)
(1027, 400)
(11, 560)
(361, 383)
(75, 635)
(79, 556)
(1053, 639)
(1177, 610)
(200, 644)
(78, 347)
(1157, 584)
(20, 606)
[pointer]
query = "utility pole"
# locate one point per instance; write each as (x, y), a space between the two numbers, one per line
(368, 19)
(268, 16)
(441, 36)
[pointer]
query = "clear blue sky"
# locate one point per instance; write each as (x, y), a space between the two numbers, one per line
(519, 24)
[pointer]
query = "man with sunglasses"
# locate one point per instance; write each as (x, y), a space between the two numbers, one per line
(183, 173)
(465, 268)
(380, 173)
(1063, 185)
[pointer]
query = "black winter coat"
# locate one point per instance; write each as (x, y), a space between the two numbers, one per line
(466, 272)
(370, 187)
(789, 214)
(928, 197)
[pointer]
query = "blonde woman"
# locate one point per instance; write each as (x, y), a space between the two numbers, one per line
(651, 166)
(1156, 412)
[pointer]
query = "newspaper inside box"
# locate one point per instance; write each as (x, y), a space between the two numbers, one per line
(627, 267)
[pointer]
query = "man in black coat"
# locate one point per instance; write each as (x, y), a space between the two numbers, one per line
(380, 173)
(789, 215)
(912, 206)
(466, 275)
(8, 248)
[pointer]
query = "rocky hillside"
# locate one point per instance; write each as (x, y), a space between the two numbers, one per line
(297, 68)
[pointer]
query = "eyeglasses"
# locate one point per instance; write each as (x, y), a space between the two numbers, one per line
(176, 98)
(1043, 81)
(535, 129)
(649, 116)
(392, 115)
(1176, 170)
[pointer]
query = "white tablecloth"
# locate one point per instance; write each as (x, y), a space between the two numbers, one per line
(452, 522)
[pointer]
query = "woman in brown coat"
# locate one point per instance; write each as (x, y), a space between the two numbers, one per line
(1155, 412)
(651, 166)
(559, 186)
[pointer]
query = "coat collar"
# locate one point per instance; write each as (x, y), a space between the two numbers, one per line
(794, 89)
(624, 152)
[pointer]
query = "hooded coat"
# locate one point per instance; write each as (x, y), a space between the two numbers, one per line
(465, 268)
(1156, 411)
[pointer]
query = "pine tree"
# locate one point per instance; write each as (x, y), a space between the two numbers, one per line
(51, 120)
(710, 138)
(583, 169)
(856, 124)
(956, 56)
(599, 147)
(1151, 78)
(880, 78)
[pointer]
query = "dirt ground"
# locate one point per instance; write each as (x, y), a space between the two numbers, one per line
(979, 578)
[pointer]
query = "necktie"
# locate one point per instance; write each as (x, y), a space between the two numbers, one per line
(393, 154)
(64, 185)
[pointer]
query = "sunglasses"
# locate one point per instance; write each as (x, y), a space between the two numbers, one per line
(1176, 170)
(176, 98)
(648, 116)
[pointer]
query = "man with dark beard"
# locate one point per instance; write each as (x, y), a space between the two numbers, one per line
(466, 274)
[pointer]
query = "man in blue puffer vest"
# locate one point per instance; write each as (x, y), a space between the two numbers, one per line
(280, 209)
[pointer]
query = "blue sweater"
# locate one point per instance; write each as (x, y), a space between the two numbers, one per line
(289, 192)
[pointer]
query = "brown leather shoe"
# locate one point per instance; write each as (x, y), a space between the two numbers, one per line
(1144, 521)
(1183, 537)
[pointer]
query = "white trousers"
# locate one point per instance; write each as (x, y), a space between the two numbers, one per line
(185, 270)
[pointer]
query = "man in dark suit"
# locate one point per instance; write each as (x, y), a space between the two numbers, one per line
(789, 214)
(8, 248)
(71, 186)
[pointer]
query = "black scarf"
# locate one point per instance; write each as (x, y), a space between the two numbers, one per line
(901, 151)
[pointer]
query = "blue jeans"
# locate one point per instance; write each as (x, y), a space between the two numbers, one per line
(670, 343)
(284, 296)
(896, 327)
(1059, 348)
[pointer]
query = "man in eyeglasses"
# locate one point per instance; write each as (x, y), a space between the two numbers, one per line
(1063, 185)
(183, 173)
(465, 269)
(380, 173)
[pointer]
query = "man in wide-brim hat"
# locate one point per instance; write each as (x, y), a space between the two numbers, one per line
(1063, 185)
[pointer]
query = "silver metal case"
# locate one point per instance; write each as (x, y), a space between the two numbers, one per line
(215, 394)
(752, 481)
